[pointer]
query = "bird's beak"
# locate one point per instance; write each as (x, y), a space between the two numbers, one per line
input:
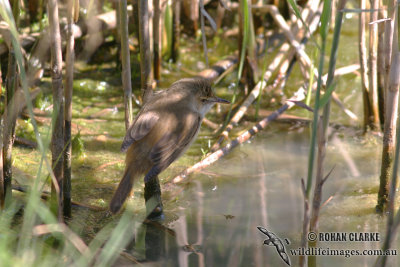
(218, 100)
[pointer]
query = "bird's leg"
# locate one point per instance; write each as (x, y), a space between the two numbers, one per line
(152, 196)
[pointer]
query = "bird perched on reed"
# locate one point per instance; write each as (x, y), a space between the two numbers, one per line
(163, 130)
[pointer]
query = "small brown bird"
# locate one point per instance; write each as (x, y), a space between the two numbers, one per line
(162, 131)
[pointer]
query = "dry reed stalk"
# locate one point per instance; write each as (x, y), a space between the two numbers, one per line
(70, 235)
(280, 21)
(391, 109)
(210, 159)
(372, 66)
(220, 15)
(389, 143)
(301, 55)
(151, 41)
(281, 59)
(9, 116)
(57, 142)
(389, 28)
(381, 73)
(2, 191)
(362, 48)
(69, 79)
(176, 10)
(145, 55)
(126, 62)
(9, 120)
(218, 69)
(157, 34)
(393, 82)
(203, 33)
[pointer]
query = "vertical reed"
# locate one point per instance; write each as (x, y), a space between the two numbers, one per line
(203, 33)
(2, 191)
(393, 83)
(145, 56)
(157, 34)
(391, 107)
(244, 10)
(323, 127)
(69, 79)
(57, 142)
(9, 114)
(176, 32)
(126, 62)
(372, 66)
(323, 32)
(362, 48)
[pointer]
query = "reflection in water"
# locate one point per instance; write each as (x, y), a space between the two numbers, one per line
(214, 221)
(154, 242)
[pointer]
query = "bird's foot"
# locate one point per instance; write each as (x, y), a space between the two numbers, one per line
(157, 214)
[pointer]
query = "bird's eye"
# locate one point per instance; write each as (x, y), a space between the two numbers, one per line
(204, 100)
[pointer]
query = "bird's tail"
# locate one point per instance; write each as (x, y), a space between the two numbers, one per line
(123, 190)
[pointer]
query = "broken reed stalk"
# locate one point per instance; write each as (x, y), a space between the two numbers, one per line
(301, 55)
(391, 113)
(126, 62)
(69, 79)
(298, 96)
(339, 72)
(280, 21)
(362, 48)
(57, 142)
(219, 69)
(282, 59)
(145, 56)
(372, 66)
(335, 98)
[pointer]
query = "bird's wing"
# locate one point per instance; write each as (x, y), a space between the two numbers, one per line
(139, 129)
(171, 146)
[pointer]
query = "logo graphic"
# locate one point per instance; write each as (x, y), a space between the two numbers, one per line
(273, 240)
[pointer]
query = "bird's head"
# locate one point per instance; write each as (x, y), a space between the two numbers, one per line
(201, 93)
